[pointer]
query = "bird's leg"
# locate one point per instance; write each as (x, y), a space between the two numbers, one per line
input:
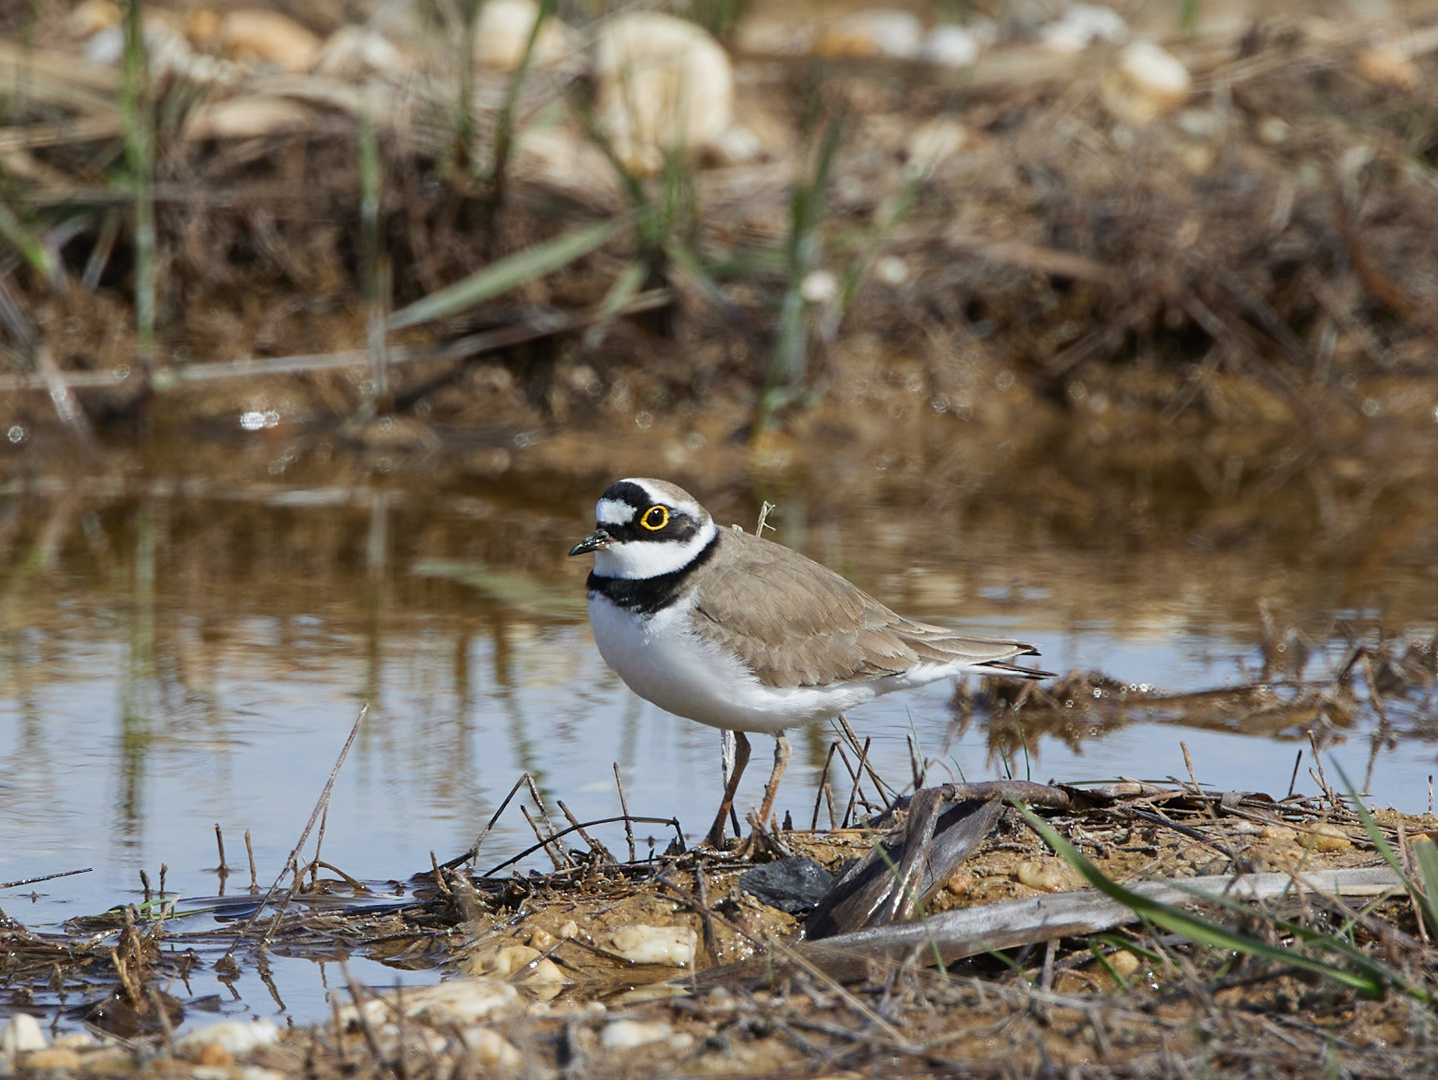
(741, 759)
(782, 750)
(726, 768)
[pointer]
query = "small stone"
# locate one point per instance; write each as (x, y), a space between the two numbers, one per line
(214, 1054)
(640, 944)
(92, 16)
(934, 142)
(1273, 130)
(628, 1034)
(736, 145)
(542, 940)
(951, 46)
(1082, 25)
(491, 1050)
(54, 1057)
(1328, 837)
(1147, 83)
(233, 1038)
(1047, 875)
(248, 117)
(569, 930)
(665, 84)
(1123, 962)
(792, 885)
(458, 1001)
(21, 1033)
(503, 32)
(521, 963)
(352, 52)
(891, 270)
(267, 37)
(819, 286)
(1388, 65)
(882, 32)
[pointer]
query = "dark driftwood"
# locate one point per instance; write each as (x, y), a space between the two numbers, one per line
(954, 935)
(944, 825)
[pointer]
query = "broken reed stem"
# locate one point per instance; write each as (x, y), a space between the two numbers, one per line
(292, 861)
(880, 785)
(223, 870)
(546, 844)
(854, 774)
(629, 825)
(319, 843)
(1293, 780)
(673, 823)
(594, 845)
(823, 783)
(484, 833)
(376, 267)
(250, 852)
(458, 349)
(138, 120)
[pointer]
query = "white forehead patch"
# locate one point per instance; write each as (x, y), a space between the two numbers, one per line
(672, 498)
(613, 512)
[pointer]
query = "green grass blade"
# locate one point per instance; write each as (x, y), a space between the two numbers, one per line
(1367, 979)
(510, 272)
(1426, 898)
(1425, 854)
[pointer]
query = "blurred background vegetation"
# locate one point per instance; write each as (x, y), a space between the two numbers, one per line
(1128, 274)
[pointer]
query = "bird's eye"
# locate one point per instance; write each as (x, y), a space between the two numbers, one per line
(655, 518)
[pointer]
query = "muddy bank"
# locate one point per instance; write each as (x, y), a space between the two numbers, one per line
(609, 966)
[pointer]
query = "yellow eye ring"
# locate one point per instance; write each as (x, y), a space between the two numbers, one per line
(655, 518)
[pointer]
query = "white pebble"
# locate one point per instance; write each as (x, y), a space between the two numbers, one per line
(891, 270)
(818, 287)
(950, 46)
(1081, 26)
(639, 944)
(238, 1037)
(21, 1034)
(627, 1034)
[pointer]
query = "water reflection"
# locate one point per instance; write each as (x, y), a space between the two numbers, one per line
(178, 655)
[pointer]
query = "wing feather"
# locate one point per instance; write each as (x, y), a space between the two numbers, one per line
(797, 623)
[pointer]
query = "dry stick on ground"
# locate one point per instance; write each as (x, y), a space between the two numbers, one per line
(594, 845)
(555, 856)
(1292, 780)
(473, 849)
(459, 349)
(291, 861)
(543, 815)
(44, 877)
(823, 779)
(624, 806)
(854, 794)
(673, 823)
(879, 784)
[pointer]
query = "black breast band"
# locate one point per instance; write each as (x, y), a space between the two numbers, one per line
(645, 596)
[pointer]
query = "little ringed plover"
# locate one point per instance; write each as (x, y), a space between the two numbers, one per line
(744, 634)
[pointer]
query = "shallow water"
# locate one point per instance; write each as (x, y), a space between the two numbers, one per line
(175, 656)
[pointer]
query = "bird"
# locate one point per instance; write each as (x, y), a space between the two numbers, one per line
(744, 634)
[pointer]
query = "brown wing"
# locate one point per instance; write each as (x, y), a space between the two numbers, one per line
(796, 623)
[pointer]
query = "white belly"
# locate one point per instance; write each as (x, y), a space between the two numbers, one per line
(661, 661)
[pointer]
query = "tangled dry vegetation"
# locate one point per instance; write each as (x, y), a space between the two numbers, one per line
(1220, 933)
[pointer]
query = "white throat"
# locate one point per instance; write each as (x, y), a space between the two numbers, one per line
(638, 559)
